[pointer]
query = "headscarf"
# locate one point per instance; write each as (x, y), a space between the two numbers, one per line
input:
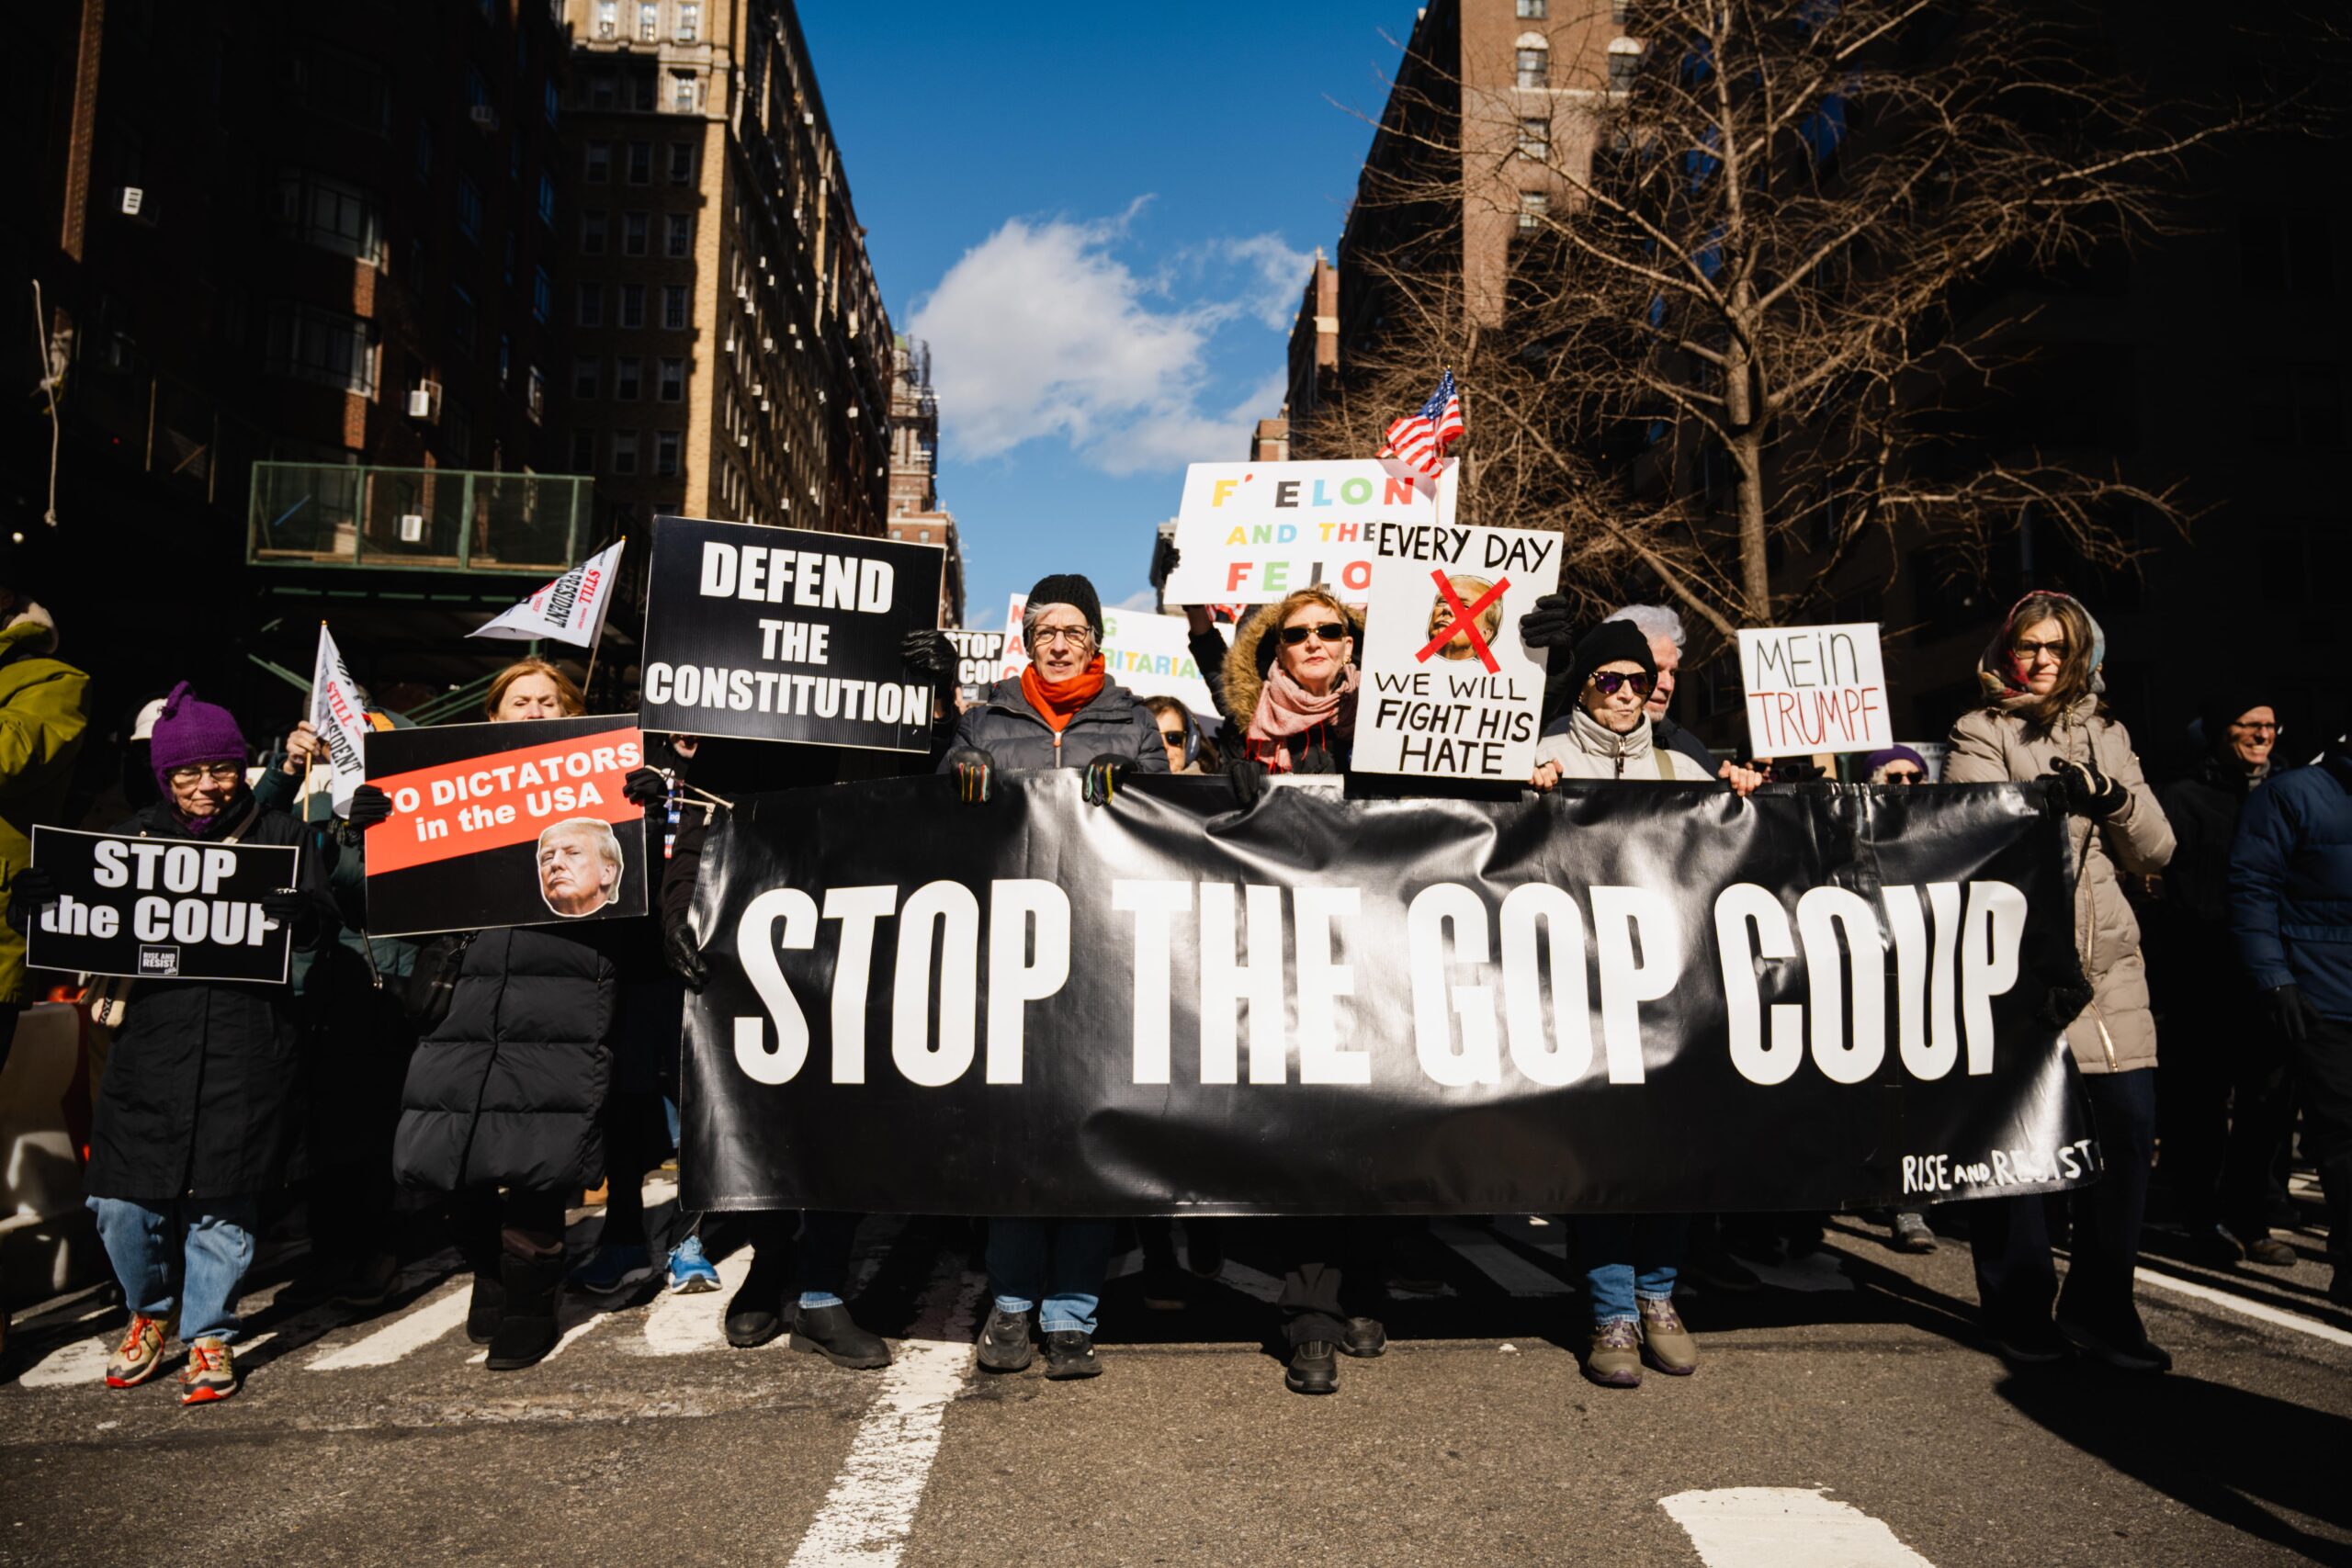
(1997, 671)
(1287, 711)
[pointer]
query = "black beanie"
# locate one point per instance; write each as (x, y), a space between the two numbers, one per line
(1069, 587)
(2225, 705)
(1607, 644)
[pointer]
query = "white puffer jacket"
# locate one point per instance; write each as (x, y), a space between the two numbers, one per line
(1587, 748)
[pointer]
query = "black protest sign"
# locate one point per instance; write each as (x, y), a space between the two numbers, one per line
(781, 634)
(978, 654)
(1612, 998)
(161, 908)
(516, 824)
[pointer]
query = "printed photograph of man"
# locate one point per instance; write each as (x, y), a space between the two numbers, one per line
(580, 866)
(1489, 621)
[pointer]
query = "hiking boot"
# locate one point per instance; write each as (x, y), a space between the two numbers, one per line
(1615, 1358)
(1364, 1339)
(1313, 1369)
(140, 1354)
(485, 1309)
(757, 1315)
(370, 1282)
(2138, 1354)
(2269, 1251)
(1004, 1342)
(1666, 1344)
(689, 1272)
(1070, 1354)
(1912, 1235)
(613, 1270)
(829, 1332)
(210, 1375)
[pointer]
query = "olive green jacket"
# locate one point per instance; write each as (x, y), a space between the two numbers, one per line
(41, 721)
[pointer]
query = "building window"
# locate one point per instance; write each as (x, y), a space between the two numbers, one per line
(508, 272)
(640, 162)
(681, 162)
(665, 452)
(674, 296)
(1532, 10)
(584, 451)
(689, 22)
(608, 18)
(1532, 206)
(628, 375)
(469, 206)
(649, 24)
(672, 387)
(330, 215)
(423, 151)
(319, 346)
(542, 295)
(635, 228)
(632, 305)
(593, 229)
(592, 304)
(2286, 250)
(550, 101)
(685, 89)
(586, 377)
(679, 239)
(1535, 57)
(536, 393)
(1625, 60)
(644, 88)
(597, 163)
(547, 201)
(1535, 139)
(624, 451)
(457, 431)
(601, 94)
(922, 536)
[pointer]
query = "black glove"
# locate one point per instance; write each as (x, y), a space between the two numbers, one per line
(930, 655)
(1248, 777)
(678, 950)
(1548, 625)
(1165, 559)
(645, 786)
(2292, 1012)
(290, 911)
(2089, 793)
(1105, 775)
(370, 805)
(1315, 760)
(971, 768)
(33, 890)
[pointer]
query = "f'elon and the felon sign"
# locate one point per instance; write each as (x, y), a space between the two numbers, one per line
(783, 634)
(161, 908)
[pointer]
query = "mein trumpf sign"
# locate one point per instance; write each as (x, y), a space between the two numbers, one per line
(1814, 689)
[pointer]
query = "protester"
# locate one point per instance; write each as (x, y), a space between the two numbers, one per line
(2227, 1100)
(502, 1107)
(42, 716)
(1550, 626)
(1908, 1228)
(2291, 908)
(1062, 711)
(2045, 719)
(1189, 751)
(1608, 732)
(197, 1114)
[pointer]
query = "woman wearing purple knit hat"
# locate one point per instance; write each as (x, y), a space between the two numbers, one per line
(196, 1118)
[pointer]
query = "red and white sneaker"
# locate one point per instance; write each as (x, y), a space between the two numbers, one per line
(140, 1354)
(210, 1375)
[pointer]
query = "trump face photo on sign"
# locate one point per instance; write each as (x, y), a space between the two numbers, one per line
(580, 866)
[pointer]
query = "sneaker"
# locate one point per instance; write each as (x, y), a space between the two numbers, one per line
(1667, 1345)
(1313, 1369)
(2270, 1252)
(210, 1375)
(613, 1270)
(2140, 1355)
(829, 1332)
(1912, 1235)
(2029, 1344)
(140, 1355)
(1615, 1358)
(1004, 1342)
(690, 1272)
(1069, 1354)
(1364, 1339)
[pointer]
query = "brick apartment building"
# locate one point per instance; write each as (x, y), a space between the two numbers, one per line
(916, 516)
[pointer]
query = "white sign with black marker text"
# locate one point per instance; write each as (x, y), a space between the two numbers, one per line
(1814, 689)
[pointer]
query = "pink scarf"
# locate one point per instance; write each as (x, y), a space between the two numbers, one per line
(1287, 710)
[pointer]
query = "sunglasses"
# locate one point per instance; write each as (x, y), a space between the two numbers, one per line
(1330, 631)
(1905, 777)
(1171, 736)
(1608, 682)
(2027, 651)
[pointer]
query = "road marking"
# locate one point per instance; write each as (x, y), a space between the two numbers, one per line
(680, 1325)
(1506, 1268)
(83, 1360)
(1249, 1281)
(2258, 1311)
(870, 1511)
(1784, 1527)
(412, 1330)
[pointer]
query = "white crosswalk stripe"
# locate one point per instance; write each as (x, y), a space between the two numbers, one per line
(679, 1325)
(1497, 1262)
(412, 1330)
(1784, 1527)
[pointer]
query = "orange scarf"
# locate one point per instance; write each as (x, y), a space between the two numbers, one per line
(1057, 702)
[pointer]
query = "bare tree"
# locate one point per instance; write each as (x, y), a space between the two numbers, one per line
(1770, 287)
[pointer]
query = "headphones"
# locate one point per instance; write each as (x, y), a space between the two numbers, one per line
(1192, 734)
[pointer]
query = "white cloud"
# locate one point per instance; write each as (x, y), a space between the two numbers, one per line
(1142, 599)
(1042, 331)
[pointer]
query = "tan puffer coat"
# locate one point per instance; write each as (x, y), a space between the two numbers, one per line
(1993, 745)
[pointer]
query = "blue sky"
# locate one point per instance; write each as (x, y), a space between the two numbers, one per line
(1101, 217)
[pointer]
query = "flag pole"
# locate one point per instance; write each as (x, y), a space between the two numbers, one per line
(597, 641)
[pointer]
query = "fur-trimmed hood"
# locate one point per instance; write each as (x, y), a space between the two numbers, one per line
(1245, 668)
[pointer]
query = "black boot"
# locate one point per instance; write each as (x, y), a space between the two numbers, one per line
(527, 1330)
(829, 1332)
(757, 1315)
(487, 1308)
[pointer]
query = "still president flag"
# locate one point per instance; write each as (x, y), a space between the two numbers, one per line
(1420, 439)
(571, 609)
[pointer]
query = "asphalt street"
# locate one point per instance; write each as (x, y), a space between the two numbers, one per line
(1844, 1417)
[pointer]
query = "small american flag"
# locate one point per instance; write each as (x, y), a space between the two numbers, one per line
(1421, 439)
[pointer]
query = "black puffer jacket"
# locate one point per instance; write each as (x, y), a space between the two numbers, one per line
(509, 1090)
(1009, 729)
(202, 1091)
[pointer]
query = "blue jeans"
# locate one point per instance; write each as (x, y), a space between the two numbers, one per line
(210, 1240)
(1055, 1264)
(1626, 1257)
(825, 1240)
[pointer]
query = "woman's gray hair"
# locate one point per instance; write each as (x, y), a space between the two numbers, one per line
(1653, 621)
(1031, 614)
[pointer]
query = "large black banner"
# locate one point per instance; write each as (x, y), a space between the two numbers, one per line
(161, 908)
(782, 634)
(1612, 998)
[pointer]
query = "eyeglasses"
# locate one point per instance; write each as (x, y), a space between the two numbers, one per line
(1172, 739)
(1608, 682)
(1044, 635)
(2258, 727)
(1330, 631)
(219, 773)
(2027, 651)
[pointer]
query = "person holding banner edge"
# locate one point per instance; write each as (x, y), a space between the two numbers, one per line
(2044, 720)
(1062, 708)
(195, 1121)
